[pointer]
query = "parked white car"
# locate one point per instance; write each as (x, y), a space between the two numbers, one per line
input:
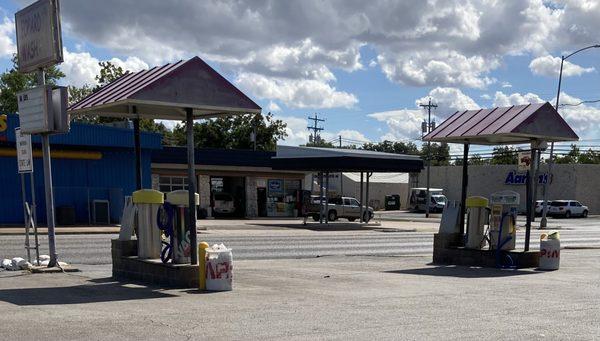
(567, 209)
(223, 203)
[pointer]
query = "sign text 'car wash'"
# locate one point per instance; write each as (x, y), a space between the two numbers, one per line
(38, 36)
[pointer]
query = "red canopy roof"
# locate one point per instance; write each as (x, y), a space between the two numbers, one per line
(504, 125)
(165, 92)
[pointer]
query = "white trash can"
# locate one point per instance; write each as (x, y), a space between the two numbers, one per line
(219, 268)
(549, 251)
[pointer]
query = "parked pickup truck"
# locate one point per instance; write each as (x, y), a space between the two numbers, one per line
(340, 207)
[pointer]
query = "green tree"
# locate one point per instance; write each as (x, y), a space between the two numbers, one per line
(477, 160)
(589, 157)
(571, 157)
(398, 147)
(504, 155)
(12, 82)
(234, 132)
(440, 153)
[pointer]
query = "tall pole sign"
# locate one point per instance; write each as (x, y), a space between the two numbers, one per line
(42, 110)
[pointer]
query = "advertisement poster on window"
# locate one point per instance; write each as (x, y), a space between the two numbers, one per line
(275, 187)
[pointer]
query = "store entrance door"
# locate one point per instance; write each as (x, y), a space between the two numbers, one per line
(261, 200)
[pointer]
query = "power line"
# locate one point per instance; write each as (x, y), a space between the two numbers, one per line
(315, 136)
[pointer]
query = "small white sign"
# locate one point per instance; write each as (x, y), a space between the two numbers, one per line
(34, 110)
(24, 154)
(39, 40)
(524, 161)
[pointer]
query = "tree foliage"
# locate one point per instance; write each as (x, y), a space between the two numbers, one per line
(397, 147)
(234, 132)
(12, 82)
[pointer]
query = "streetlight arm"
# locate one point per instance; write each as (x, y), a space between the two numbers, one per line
(582, 49)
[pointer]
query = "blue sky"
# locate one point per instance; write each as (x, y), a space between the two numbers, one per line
(363, 68)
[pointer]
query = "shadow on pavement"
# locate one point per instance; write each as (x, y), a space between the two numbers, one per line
(463, 272)
(107, 291)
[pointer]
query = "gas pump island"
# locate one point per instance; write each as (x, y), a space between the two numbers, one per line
(181, 91)
(495, 246)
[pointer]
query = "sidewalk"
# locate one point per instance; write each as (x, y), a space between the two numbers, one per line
(5, 231)
(207, 225)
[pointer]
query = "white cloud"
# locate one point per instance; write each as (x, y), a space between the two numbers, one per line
(81, 67)
(448, 100)
(506, 85)
(550, 66)
(584, 118)
(406, 123)
(7, 31)
(302, 93)
(503, 100)
(486, 97)
(273, 107)
(297, 133)
(402, 124)
(449, 43)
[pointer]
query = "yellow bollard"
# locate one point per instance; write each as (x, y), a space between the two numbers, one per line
(202, 265)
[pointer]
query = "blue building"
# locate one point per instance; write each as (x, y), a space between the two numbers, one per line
(91, 164)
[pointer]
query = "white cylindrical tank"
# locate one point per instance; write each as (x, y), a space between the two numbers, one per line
(147, 202)
(477, 218)
(549, 251)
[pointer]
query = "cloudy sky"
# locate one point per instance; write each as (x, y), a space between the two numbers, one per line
(363, 65)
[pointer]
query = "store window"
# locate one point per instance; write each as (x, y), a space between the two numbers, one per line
(172, 183)
(282, 197)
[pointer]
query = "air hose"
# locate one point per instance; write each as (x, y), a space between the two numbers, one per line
(501, 244)
(164, 220)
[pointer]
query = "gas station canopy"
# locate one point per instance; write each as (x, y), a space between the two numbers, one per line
(506, 125)
(343, 160)
(165, 92)
(184, 91)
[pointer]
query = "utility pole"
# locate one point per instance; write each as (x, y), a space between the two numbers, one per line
(316, 137)
(427, 128)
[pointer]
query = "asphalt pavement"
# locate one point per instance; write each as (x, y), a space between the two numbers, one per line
(325, 298)
(269, 239)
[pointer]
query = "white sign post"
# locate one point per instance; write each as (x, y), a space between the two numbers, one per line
(24, 154)
(39, 43)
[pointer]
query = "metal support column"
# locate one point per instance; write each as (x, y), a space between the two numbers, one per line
(33, 213)
(25, 217)
(529, 197)
(360, 200)
(326, 197)
(189, 126)
(321, 198)
(138, 148)
(465, 184)
(367, 216)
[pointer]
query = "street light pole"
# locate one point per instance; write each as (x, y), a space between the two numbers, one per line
(544, 220)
